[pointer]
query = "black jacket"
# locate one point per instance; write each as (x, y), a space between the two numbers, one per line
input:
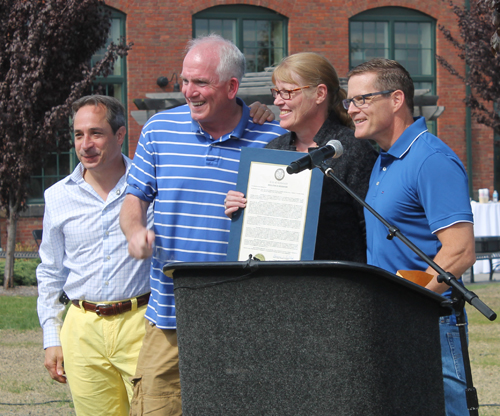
(341, 228)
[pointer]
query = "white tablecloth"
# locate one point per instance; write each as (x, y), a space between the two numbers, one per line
(486, 223)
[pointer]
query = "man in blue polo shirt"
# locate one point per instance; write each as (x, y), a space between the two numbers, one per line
(419, 185)
(186, 161)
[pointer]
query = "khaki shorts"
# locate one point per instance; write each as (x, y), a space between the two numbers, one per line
(157, 387)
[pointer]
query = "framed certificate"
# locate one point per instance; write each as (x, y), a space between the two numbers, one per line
(281, 218)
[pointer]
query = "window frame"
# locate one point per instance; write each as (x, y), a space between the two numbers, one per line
(240, 13)
(393, 15)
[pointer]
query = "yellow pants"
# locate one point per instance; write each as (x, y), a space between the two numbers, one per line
(100, 357)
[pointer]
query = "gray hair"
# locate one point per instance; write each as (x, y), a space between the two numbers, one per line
(115, 112)
(231, 61)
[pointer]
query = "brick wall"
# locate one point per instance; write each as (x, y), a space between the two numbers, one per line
(25, 227)
(160, 30)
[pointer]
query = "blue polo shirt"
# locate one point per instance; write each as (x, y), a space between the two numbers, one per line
(420, 186)
(187, 174)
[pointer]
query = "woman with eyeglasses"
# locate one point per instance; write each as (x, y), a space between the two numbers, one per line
(309, 97)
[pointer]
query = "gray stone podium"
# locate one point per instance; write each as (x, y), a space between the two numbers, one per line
(305, 338)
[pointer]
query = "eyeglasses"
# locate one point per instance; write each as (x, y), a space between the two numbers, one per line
(286, 94)
(360, 100)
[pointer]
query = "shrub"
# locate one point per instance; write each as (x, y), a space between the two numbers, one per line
(24, 272)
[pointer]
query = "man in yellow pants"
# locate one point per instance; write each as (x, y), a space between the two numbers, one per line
(85, 254)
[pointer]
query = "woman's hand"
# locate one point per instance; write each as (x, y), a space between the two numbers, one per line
(233, 202)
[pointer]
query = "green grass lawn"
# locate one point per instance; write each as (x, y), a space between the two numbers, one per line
(484, 349)
(18, 312)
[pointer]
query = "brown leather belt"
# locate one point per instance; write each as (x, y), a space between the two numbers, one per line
(111, 309)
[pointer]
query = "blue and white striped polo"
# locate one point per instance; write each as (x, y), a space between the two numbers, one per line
(187, 175)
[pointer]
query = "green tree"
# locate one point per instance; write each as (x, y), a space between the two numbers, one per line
(45, 52)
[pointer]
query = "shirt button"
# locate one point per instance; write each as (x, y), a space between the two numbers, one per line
(106, 283)
(118, 192)
(377, 183)
(107, 257)
(384, 168)
(107, 232)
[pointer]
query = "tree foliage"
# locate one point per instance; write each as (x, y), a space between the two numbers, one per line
(494, 6)
(45, 52)
(476, 48)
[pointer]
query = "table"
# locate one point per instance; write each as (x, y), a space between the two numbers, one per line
(486, 223)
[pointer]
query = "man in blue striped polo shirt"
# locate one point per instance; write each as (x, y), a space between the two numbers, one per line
(186, 161)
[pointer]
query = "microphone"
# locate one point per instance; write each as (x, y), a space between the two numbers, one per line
(332, 149)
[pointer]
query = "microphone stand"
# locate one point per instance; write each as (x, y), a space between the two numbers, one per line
(459, 293)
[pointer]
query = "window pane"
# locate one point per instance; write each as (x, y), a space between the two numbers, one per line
(277, 34)
(50, 167)
(215, 26)
(426, 62)
(368, 40)
(118, 92)
(369, 34)
(425, 35)
(356, 35)
(35, 189)
(115, 34)
(412, 35)
(64, 164)
(258, 38)
(249, 33)
(382, 35)
(413, 61)
(200, 27)
(413, 47)
(49, 181)
(400, 56)
(229, 30)
(263, 30)
(423, 85)
(399, 35)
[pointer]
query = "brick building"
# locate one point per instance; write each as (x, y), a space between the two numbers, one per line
(346, 32)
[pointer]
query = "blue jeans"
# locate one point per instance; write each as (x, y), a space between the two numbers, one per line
(453, 367)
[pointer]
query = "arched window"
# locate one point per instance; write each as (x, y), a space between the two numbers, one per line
(58, 166)
(260, 33)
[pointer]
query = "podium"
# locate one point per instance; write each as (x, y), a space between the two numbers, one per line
(306, 338)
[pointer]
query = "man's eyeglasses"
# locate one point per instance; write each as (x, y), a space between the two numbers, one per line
(360, 100)
(286, 94)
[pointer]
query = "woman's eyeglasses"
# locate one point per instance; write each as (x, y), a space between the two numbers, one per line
(286, 94)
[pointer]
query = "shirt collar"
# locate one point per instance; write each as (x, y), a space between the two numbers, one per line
(239, 129)
(409, 136)
(77, 175)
